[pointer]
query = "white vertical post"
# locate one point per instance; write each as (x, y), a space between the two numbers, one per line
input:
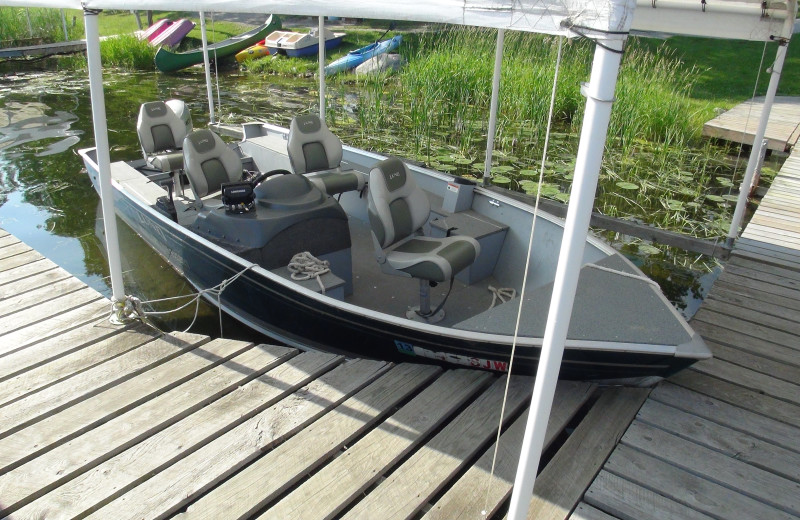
(498, 62)
(64, 25)
(321, 34)
(207, 66)
(599, 98)
(103, 155)
(744, 189)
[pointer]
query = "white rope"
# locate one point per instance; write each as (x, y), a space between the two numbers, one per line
(525, 275)
(305, 266)
(503, 294)
(134, 307)
(749, 111)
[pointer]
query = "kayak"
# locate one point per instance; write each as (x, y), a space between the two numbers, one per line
(154, 30)
(167, 61)
(355, 58)
(172, 35)
(254, 51)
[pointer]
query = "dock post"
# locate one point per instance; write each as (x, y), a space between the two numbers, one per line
(744, 188)
(599, 100)
(103, 157)
(498, 62)
(321, 61)
(207, 67)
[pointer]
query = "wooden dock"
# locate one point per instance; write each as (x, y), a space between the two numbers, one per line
(739, 124)
(113, 423)
(45, 49)
(722, 439)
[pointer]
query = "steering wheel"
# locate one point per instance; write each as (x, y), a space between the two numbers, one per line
(264, 176)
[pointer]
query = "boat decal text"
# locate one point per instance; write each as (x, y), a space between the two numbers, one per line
(414, 350)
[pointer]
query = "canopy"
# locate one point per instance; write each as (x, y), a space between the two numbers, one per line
(600, 19)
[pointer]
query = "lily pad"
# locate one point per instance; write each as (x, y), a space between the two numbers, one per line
(529, 173)
(731, 197)
(500, 179)
(674, 205)
(722, 181)
(463, 160)
(715, 198)
(448, 167)
(502, 169)
(627, 185)
(647, 249)
(563, 197)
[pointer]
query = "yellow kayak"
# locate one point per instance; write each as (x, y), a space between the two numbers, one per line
(255, 51)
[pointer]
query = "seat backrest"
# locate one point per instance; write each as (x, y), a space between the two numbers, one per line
(208, 162)
(163, 125)
(397, 206)
(312, 147)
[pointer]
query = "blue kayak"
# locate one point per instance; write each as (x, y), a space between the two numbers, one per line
(355, 58)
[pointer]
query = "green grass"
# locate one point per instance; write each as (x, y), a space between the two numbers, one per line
(46, 26)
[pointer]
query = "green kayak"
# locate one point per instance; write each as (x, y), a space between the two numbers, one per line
(167, 61)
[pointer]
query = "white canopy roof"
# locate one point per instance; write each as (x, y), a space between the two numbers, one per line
(737, 19)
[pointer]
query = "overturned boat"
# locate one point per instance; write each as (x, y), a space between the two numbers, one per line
(384, 244)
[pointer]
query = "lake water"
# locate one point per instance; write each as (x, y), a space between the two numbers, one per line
(47, 201)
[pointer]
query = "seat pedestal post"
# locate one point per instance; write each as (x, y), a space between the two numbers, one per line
(422, 313)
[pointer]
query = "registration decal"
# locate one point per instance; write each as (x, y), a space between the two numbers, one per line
(456, 359)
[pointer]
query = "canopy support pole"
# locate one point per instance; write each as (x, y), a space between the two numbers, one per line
(321, 35)
(599, 99)
(104, 161)
(753, 161)
(64, 25)
(207, 66)
(498, 62)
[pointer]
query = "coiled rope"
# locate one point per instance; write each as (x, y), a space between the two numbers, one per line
(502, 294)
(305, 266)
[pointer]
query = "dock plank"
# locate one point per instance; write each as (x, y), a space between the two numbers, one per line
(13, 250)
(360, 465)
(25, 300)
(31, 379)
(36, 280)
(627, 500)
(741, 446)
(761, 383)
(98, 491)
(21, 259)
(729, 415)
(470, 495)
(35, 407)
(748, 328)
(7, 240)
(431, 467)
(687, 488)
(587, 512)
(727, 289)
(787, 324)
(751, 344)
(60, 305)
(380, 391)
(713, 466)
(562, 483)
(51, 327)
(34, 267)
(228, 364)
(785, 371)
(739, 396)
(53, 348)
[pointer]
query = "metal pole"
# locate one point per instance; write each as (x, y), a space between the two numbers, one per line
(103, 155)
(64, 25)
(207, 66)
(744, 189)
(599, 98)
(30, 27)
(498, 62)
(321, 67)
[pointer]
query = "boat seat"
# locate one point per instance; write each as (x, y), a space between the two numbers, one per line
(314, 151)
(162, 127)
(398, 209)
(209, 163)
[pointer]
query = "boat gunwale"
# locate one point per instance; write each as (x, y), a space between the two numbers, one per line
(355, 310)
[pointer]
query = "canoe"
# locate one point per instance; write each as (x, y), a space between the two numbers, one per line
(622, 328)
(168, 61)
(172, 35)
(355, 58)
(296, 44)
(154, 30)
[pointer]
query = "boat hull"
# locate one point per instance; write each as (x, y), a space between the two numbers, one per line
(302, 318)
(173, 35)
(167, 61)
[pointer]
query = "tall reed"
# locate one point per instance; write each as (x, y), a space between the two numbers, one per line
(46, 26)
